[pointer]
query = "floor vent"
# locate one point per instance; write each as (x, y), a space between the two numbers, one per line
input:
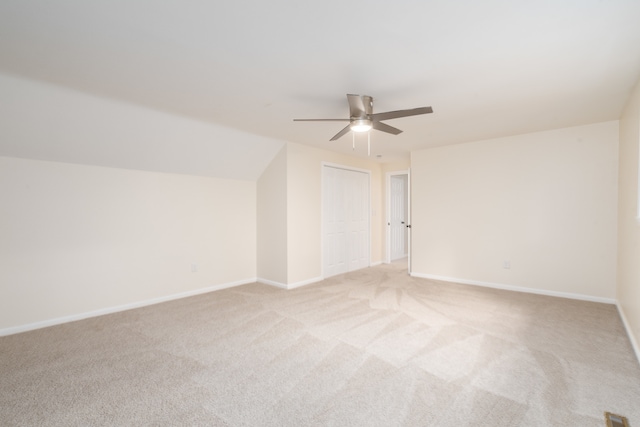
(614, 420)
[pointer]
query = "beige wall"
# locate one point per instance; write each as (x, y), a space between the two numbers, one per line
(80, 239)
(304, 203)
(628, 289)
(396, 166)
(272, 221)
(303, 213)
(545, 202)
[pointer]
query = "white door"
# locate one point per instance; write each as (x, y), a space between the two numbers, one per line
(398, 220)
(335, 226)
(346, 220)
(409, 221)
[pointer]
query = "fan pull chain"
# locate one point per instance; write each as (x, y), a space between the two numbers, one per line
(369, 143)
(353, 138)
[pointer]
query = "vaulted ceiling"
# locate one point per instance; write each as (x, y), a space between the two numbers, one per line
(488, 68)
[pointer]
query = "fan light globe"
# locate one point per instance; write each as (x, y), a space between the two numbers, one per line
(361, 125)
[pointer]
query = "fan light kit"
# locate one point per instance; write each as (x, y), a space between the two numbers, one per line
(360, 125)
(362, 119)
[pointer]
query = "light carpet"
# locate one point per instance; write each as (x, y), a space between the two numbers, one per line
(374, 347)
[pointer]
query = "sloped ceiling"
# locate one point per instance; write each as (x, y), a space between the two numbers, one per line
(488, 69)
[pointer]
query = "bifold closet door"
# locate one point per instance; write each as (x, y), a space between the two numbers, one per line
(345, 220)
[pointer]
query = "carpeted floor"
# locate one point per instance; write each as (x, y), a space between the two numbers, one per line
(370, 348)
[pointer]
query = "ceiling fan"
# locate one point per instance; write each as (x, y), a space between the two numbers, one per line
(362, 118)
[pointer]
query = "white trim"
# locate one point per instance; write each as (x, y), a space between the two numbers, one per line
(373, 264)
(410, 221)
(348, 168)
(115, 309)
(272, 283)
(322, 190)
(388, 176)
(638, 184)
(304, 282)
(632, 338)
(291, 285)
(370, 195)
(569, 295)
(387, 228)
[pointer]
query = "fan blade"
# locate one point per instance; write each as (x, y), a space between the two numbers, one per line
(385, 128)
(368, 104)
(341, 133)
(401, 113)
(320, 120)
(356, 106)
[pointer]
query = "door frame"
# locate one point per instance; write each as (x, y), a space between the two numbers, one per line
(322, 200)
(387, 255)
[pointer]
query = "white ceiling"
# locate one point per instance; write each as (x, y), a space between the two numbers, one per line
(488, 68)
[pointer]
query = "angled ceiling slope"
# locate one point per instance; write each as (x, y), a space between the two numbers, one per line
(489, 69)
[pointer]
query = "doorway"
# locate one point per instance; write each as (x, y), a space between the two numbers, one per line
(398, 217)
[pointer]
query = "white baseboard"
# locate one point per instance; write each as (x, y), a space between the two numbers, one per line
(391, 261)
(305, 282)
(115, 309)
(516, 288)
(272, 283)
(632, 338)
(373, 264)
(290, 285)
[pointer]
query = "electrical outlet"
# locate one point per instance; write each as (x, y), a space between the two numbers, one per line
(194, 267)
(506, 265)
